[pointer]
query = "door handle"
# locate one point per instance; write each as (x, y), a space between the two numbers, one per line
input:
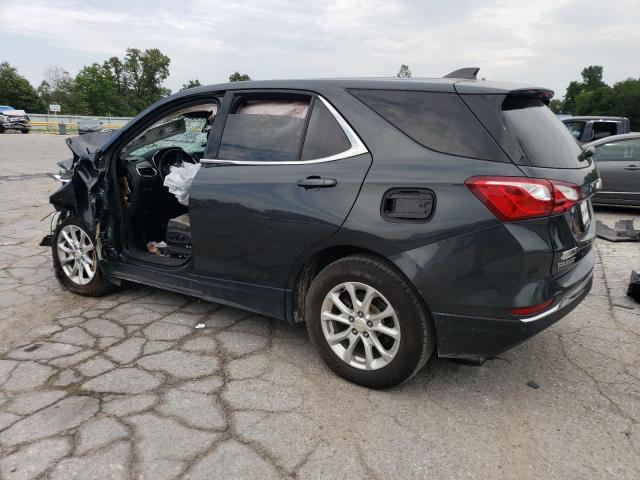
(317, 182)
(632, 167)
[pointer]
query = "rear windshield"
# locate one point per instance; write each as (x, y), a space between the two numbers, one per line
(528, 131)
(544, 140)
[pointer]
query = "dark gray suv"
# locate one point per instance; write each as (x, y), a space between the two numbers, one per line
(397, 218)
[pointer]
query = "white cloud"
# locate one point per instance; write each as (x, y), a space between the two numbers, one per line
(544, 42)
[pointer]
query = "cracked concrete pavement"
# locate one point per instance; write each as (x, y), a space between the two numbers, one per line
(125, 386)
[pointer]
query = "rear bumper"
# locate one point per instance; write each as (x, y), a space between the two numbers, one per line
(480, 338)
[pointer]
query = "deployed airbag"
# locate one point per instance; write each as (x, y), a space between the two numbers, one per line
(179, 181)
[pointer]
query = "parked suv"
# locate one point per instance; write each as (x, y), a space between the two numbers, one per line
(588, 129)
(397, 218)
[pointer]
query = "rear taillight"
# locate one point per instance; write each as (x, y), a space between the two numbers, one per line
(519, 198)
(521, 311)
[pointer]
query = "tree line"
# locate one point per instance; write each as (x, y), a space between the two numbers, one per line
(592, 96)
(119, 87)
(125, 86)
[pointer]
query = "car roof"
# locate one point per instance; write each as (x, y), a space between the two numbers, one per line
(613, 138)
(427, 84)
(459, 85)
(593, 117)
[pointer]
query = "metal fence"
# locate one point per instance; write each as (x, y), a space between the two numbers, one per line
(50, 123)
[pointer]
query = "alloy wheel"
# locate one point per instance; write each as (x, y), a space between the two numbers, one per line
(360, 326)
(76, 254)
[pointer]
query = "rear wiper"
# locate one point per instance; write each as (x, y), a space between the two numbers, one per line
(586, 153)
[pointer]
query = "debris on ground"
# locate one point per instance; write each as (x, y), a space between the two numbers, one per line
(533, 384)
(623, 231)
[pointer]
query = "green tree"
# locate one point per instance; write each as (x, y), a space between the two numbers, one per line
(191, 84)
(136, 79)
(16, 91)
(625, 100)
(144, 72)
(96, 91)
(57, 87)
(592, 96)
(556, 105)
(404, 71)
(573, 90)
(592, 77)
(239, 77)
(594, 102)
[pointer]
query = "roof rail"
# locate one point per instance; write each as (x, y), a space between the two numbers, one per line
(469, 73)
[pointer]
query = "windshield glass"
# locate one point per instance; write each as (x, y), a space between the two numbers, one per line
(192, 139)
(543, 139)
(187, 129)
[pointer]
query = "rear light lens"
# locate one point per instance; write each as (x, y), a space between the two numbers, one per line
(530, 310)
(565, 196)
(519, 198)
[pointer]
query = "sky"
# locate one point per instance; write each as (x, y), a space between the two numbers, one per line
(541, 42)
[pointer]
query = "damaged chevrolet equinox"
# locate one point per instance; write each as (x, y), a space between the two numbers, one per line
(397, 218)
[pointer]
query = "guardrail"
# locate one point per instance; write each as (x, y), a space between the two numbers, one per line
(70, 128)
(51, 123)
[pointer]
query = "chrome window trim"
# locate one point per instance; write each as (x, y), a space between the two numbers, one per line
(357, 147)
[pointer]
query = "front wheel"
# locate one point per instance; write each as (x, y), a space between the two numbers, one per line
(25, 130)
(367, 323)
(75, 259)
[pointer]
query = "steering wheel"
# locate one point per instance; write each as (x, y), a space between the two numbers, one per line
(169, 157)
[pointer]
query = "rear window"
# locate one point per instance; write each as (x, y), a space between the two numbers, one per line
(542, 138)
(439, 121)
(603, 129)
(324, 136)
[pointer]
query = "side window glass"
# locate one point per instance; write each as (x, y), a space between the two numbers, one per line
(187, 128)
(576, 129)
(325, 136)
(603, 129)
(264, 130)
(611, 151)
(632, 150)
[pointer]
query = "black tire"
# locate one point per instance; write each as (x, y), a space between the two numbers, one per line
(417, 341)
(1, 129)
(25, 130)
(98, 285)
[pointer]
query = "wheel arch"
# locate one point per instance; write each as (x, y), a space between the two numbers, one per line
(309, 268)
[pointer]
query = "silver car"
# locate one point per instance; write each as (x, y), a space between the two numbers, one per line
(618, 160)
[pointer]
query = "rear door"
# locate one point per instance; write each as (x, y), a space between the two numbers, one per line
(286, 171)
(619, 167)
